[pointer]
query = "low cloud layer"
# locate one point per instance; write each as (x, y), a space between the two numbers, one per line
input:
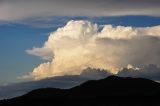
(150, 72)
(64, 82)
(12, 10)
(13, 90)
(81, 44)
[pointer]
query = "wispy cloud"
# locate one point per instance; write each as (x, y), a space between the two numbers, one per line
(12, 10)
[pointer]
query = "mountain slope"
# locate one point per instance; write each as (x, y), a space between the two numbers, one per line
(64, 82)
(109, 91)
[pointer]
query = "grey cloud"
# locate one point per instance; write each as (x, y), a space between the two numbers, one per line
(139, 51)
(95, 73)
(150, 71)
(22, 9)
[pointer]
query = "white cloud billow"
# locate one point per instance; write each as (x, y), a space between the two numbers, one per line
(80, 44)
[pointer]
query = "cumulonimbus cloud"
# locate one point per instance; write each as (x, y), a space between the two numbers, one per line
(81, 44)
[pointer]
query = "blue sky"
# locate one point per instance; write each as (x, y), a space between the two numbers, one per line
(17, 37)
(115, 48)
(25, 24)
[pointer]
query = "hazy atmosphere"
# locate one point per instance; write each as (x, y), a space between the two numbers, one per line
(44, 41)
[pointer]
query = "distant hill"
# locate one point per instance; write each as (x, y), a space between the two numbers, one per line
(63, 82)
(110, 91)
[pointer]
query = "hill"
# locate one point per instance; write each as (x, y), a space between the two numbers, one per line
(112, 91)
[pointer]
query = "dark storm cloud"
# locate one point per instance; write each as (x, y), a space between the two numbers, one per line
(22, 9)
(150, 71)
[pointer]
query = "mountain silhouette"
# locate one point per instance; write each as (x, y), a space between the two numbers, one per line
(63, 82)
(110, 91)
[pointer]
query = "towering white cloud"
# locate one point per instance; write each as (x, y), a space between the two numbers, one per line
(80, 44)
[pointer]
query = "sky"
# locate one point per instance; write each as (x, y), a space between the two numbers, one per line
(37, 36)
